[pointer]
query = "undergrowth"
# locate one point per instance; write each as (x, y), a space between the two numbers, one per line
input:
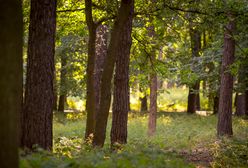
(176, 132)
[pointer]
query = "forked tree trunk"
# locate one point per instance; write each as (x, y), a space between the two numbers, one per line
(224, 126)
(90, 95)
(101, 52)
(124, 12)
(37, 113)
(11, 32)
(121, 86)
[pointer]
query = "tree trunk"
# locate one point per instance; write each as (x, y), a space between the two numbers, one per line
(224, 126)
(37, 113)
(90, 95)
(63, 81)
(216, 104)
(125, 10)
(143, 102)
(55, 94)
(153, 105)
(101, 52)
(240, 104)
(193, 97)
(121, 87)
(11, 32)
(246, 102)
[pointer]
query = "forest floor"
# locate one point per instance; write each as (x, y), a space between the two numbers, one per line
(181, 140)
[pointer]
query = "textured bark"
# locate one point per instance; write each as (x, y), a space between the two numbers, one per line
(11, 31)
(38, 102)
(240, 104)
(101, 52)
(121, 86)
(124, 12)
(63, 86)
(90, 95)
(224, 126)
(193, 97)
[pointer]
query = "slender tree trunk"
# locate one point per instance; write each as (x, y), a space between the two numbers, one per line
(37, 113)
(63, 86)
(121, 86)
(153, 105)
(246, 102)
(55, 94)
(216, 104)
(101, 52)
(191, 109)
(143, 102)
(224, 126)
(90, 96)
(124, 12)
(11, 32)
(240, 104)
(193, 97)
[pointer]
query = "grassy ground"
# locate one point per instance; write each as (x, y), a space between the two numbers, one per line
(181, 141)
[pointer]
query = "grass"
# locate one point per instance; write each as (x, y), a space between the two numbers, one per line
(176, 132)
(178, 140)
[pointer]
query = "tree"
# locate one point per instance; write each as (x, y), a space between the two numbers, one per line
(90, 95)
(37, 111)
(63, 80)
(101, 52)
(121, 85)
(122, 18)
(11, 31)
(224, 126)
(193, 97)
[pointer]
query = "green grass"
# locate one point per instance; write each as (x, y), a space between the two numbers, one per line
(176, 132)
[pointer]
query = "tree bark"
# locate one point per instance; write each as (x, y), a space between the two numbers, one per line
(121, 86)
(152, 119)
(124, 12)
(90, 95)
(63, 81)
(37, 112)
(153, 105)
(216, 104)
(246, 102)
(224, 126)
(101, 52)
(11, 32)
(191, 109)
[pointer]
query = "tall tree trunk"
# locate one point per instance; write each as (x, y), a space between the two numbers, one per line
(124, 12)
(153, 88)
(216, 104)
(121, 86)
(224, 126)
(37, 113)
(246, 102)
(90, 95)
(11, 32)
(101, 52)
(193, 97)
(63, 86)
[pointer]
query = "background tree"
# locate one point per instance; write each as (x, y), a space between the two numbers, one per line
(38, 101)
(11, 32)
